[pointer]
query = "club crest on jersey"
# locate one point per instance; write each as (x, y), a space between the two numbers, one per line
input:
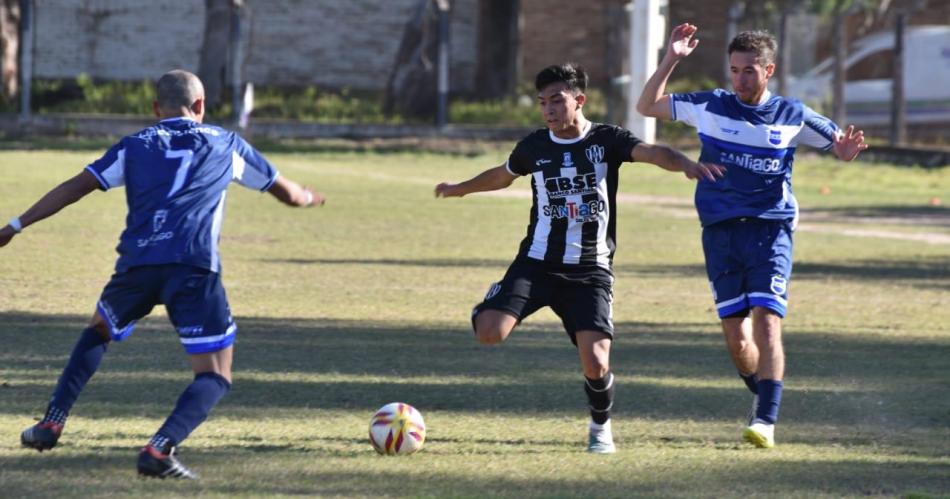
(779, 285)
(775, 137)
(567, 160)
(595, 154)
(158, 220)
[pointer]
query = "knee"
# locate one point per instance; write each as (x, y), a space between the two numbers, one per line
(100, 327)
(768, 327)
(489, 335)
(490, 329)
(596, 371)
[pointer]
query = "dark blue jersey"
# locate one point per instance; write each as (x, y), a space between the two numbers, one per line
(756, 144)
(176, 174)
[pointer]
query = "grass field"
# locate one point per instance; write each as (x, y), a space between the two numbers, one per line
(366, 301)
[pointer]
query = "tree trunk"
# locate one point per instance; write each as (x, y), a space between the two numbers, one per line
(497, 48)
(784, 59)
(898, 105)
(213, 61)
(411, 87)
(9, 48)
(839, 47)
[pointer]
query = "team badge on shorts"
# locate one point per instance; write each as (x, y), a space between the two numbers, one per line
(779, 285)
(492, 291)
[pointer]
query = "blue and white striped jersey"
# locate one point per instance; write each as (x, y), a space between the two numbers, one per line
(176, 174)
(756, 144)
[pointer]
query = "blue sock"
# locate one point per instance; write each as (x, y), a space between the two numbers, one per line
(83, 362)
(770, 396)
(751, 381)
(193, 406)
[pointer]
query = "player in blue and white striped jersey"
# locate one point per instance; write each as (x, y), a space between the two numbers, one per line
(749, 215)
(176, 174)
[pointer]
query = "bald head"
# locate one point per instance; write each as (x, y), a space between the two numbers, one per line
(178, 89)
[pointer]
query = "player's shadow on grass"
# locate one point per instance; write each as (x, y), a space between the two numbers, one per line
(431, 262)
(883, 476)
(666, 372)
(924, 272)
(936, 216)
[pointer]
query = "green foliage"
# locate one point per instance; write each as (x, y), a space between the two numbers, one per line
(308, 103)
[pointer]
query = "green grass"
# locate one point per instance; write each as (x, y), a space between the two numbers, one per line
(366, 301)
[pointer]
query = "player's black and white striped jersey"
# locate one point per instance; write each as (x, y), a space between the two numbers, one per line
(574, 184)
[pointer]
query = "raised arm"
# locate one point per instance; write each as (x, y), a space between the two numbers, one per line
(293, 194)
(491, 179)
(654, 101)
(670, 159)
(60, 197)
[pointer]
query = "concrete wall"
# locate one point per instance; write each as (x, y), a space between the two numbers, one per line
(331, 43)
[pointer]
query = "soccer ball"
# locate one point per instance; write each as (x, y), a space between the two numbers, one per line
(397, 428)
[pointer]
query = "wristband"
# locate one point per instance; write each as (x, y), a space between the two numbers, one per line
(309, 201)
(16, 225)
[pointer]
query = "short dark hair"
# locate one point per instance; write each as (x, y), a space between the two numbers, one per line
(568, 73)
(759, 42)
(177, 89)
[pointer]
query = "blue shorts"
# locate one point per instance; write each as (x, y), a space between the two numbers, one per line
(749, 264)
(193, 297)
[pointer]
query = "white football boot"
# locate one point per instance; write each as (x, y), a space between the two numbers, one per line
(601, 439)
(760, 434)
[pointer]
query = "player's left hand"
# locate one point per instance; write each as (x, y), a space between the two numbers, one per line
(6, 235)
(708, 171)
(849, 144)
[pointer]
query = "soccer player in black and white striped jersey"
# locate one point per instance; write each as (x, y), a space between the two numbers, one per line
(565, 260)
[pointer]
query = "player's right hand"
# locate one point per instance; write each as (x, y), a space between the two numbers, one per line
(6, 235)
(445, 190)
(682, 42)
(316, 198)
(707, 171)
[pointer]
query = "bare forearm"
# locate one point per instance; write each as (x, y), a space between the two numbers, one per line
(655, 88)
(55, 200)
(293, 194)
(489, 180)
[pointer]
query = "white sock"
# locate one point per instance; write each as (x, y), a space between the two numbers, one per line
(605, 426)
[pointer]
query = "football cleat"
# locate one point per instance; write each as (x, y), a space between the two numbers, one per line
(755, 407)
(601, 441)
(153, 463)
(41, 436)
(760, 434)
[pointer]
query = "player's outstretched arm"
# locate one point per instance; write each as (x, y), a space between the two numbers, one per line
(849, 144)
(491, 179)
(670, 159)
(293, 194)
(60, 197)
(653, 99)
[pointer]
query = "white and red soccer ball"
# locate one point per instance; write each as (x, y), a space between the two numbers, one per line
(396, 429)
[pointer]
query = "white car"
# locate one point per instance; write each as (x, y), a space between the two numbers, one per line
(868, 102)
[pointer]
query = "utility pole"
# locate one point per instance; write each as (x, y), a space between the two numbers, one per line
(26, 57)
(442, 86)
(647, 28)
(898, 105)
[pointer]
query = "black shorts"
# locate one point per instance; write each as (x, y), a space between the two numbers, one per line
(582, 298)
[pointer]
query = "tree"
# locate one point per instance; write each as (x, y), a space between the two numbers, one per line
(411, 87)
(213, 61)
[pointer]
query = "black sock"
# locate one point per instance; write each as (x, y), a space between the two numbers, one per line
(600, 397)
(751, 381)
